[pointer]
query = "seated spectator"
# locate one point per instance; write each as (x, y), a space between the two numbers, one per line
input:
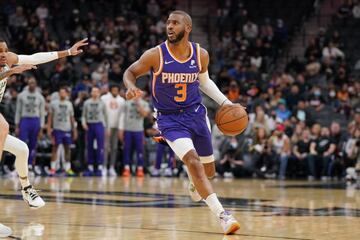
(230, 165)
(316, 99)
(259, 119)
(351, 154)
(234, 92)
(237, 72)
(333, 52)
(281, 33)
(344, 10)
(300, 112)
(321, 152)
(299, 157)
(280, 144)
(356, 9)
(250, 30)
(282, 112)
(312, 49)
(262, 155)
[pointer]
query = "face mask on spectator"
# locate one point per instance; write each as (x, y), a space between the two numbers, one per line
(233, 143)
(332, 94)
(317, 93)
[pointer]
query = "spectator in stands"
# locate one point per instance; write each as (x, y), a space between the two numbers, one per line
(299, 159)
(316, 99)
(344, 10)
(282, 112)
(18, 19)
(42, 12)
(356, 9)
(250, 30)
(262, 155)
(231, 164)
(234, 91)
(280, 144)
(260, 120)
(351, 154)
(115, 108)
(135, 112)
(312, 49)
(332, 51)
(280, 33)
(237, 73)
(321, 152)
(300, 112)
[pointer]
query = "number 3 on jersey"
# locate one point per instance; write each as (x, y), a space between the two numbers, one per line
(181, 92)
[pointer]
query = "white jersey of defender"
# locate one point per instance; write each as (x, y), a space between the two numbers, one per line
(3, 81)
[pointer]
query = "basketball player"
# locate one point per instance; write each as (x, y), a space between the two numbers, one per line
(94, 121)
(115, 107)
(179, 69)
(135, 113)
(62, 126)
(10, 143)
(30, 119)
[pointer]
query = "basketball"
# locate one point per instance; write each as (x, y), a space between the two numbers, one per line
(231, 119)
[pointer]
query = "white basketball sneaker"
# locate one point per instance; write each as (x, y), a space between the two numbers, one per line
(5, 231)
(228, 223)
(195, 196)
(112, 172)
(31, 196)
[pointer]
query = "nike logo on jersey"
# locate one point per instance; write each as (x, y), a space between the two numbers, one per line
(168, 62)
(197, 108)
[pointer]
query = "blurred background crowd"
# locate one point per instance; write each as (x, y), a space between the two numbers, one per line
(304, 109)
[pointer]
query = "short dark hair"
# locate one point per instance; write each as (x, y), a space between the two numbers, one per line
(184, 14)
(2, 40)
(114, 86)
(64, 87)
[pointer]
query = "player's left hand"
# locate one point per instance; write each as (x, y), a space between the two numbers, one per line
(75, 49)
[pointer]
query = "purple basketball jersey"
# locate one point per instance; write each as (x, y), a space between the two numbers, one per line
(176, 84)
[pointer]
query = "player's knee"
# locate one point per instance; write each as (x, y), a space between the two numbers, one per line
(22, 150)
(191, 158)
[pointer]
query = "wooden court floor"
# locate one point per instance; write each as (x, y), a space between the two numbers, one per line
(159, 208)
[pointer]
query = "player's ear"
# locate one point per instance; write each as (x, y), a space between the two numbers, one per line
(188, 28)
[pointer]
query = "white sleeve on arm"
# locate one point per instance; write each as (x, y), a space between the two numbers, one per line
(208, 87)
(37, 58)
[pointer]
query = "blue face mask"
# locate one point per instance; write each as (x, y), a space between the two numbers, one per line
(317, 93)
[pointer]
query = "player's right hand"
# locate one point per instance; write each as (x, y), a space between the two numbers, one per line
(23, 68)
(133, 93)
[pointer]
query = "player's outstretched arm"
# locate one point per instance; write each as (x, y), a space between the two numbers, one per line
(207, 85)
(44, 57)
(148, 61)
(16, 70)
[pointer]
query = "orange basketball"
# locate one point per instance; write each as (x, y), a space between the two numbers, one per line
(231, 119)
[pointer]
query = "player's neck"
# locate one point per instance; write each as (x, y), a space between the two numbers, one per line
(180, 49)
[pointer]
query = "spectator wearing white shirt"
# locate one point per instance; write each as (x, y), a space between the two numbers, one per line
(332, 52)
(250, 30)
(114, 104)
(42, 12)
(356, 10)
